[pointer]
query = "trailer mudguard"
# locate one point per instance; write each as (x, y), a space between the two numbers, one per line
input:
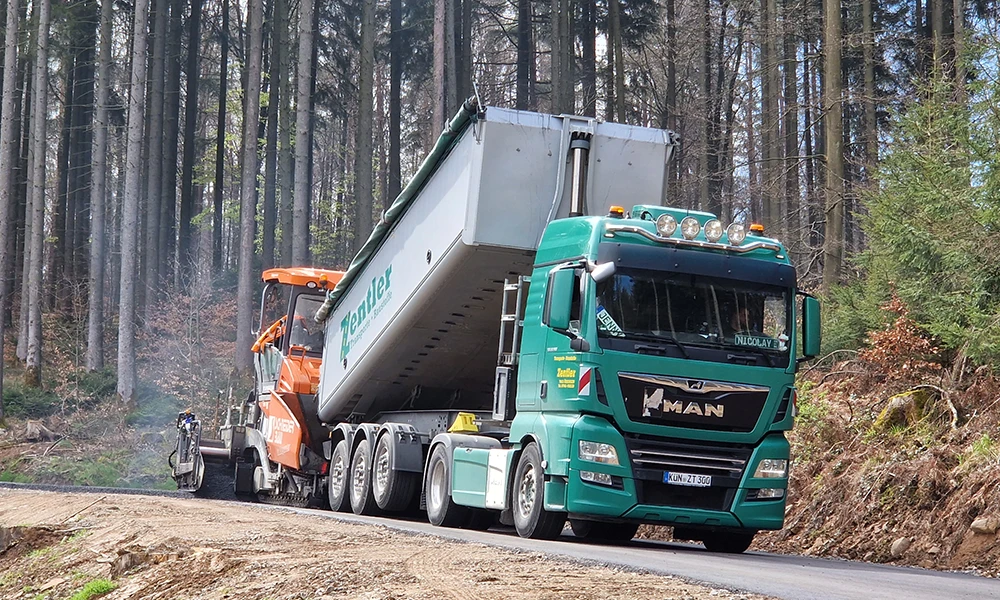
(406, 449)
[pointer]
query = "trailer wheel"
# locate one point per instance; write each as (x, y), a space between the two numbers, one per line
(339, 480)
(393, 490)
(441, 510)
(362, 499)
(605, 532)
(728, 543)
(530, 517)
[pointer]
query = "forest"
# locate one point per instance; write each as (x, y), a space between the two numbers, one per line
(155, 152)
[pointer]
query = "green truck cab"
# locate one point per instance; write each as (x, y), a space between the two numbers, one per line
(654, 383)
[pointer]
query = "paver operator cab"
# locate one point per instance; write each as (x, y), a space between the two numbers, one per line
(505, 346)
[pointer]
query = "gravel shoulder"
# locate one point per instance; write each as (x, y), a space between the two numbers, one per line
(53, 544)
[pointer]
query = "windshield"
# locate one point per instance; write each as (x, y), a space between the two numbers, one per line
(679, 308)
(306, 332)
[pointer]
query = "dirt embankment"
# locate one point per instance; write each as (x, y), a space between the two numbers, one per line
(52, 545)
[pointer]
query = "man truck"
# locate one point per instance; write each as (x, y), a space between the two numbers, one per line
(512, 343)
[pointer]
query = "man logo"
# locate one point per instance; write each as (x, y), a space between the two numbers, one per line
(695, 385)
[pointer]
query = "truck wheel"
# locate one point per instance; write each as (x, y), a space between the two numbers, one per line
(362, 498)
(393, 490)
(481, 519)
(530, 517)
(606, 532)
(729, 543)
(441, 510)
(338, 481)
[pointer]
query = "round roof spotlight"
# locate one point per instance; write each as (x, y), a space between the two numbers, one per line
(737, 233)
(713, 230)
(690, 227)
(666, 225)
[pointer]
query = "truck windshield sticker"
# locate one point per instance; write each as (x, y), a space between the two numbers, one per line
(606, 323)
(354, 325)
(756, 341)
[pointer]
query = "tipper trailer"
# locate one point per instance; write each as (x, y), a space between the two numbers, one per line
(498, 350)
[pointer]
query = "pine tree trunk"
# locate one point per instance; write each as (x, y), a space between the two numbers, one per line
(791, 117)
(271, 148)
(33, 364)
(286, 161)
(185, 251)
(25, 192)
(171, 134)
(868, 54)
(705, 173)
(98, 193)
(958, 19)
(523, 51)
(363, 134)
(58, 286)
(248, 187)
(8, 145)
(769, 135)
(588, 43)
(833, 242)
(395, 83)
(615, 27)
(155, 139)
(130, 209)
(303, 124)
(220, 145)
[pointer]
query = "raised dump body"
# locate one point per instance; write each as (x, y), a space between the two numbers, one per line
(414, 323)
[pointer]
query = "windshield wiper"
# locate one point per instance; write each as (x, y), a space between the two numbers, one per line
(744, 357)
(658, 339)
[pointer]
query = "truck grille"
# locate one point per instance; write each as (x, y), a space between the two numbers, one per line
(652, 458)
(692, 403)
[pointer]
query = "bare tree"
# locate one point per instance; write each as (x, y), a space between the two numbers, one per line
(248, 187)
(130, 208)
(7, 146)
(220, 145)
(33, 363)
(303, 120)
(98, 191)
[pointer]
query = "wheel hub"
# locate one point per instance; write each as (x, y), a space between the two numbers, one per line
(359, 476)
(337, 475)
(526, 493)
(381, 480)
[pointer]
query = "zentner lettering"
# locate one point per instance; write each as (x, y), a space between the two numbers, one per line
(354, 321)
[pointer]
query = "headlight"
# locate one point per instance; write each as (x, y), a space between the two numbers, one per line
(772, 468)
(737, 233)
(598, 453)
(713, 230)
(690, 228)
(666, 225)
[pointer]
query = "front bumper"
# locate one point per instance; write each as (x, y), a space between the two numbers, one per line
(638, 492)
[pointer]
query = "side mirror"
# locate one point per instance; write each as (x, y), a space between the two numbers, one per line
(810, 327)
(559, 299)
(602, 271)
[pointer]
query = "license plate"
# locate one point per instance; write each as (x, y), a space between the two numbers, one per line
(687, 479)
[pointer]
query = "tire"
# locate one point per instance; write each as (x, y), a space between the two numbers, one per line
(481, 519)
(441, 510)
(362, 498)
(728, 543)
(604, 532)
(531, 520)
(338, 480)
(393, 490)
